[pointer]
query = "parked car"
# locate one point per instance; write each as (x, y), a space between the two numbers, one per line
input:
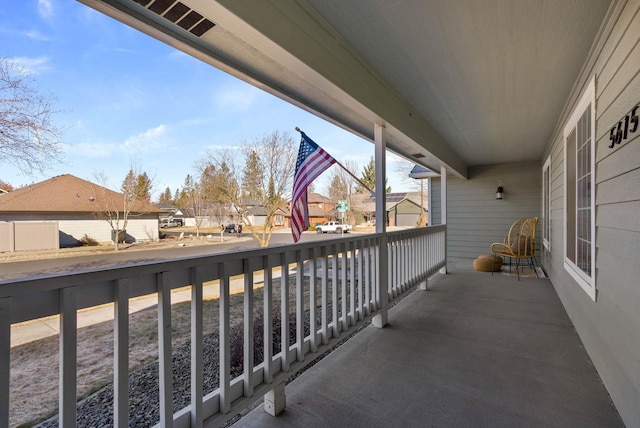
(333, 227)
(170, 223)
(232, 228)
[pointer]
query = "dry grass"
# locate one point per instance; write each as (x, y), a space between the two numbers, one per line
(34, 366)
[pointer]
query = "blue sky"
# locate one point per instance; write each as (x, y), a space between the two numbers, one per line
(127, 97)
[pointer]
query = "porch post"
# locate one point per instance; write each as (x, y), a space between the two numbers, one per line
(443, 208)
(380, 320)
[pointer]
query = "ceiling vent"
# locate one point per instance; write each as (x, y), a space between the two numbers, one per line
(180, 14)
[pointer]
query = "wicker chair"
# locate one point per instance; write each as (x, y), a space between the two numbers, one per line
(519, 244)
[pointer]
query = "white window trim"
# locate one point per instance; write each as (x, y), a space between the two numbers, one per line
(546, 240)
(586, 282)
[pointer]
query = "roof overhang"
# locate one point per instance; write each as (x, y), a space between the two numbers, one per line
(453, 83)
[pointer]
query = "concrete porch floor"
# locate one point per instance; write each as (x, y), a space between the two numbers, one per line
(475, 350)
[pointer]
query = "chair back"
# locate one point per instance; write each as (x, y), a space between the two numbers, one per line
(522, 237)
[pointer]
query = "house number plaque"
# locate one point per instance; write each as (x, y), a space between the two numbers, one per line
(626, 126)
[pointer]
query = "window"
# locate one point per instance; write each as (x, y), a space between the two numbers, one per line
(546, 204)
(579, 151)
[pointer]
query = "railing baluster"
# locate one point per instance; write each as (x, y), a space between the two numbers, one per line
(313, 317)
(68, 357)
(164, 351)
(197, 347)
(299, 308)
(284, 311)
(334, 291)
(268, 320)
(224, 340)
(248, 328)
(5, 357)
(324, 304)
(367, 276)
(359, 277)
(352, 284)
(121, 353)
(344, 320)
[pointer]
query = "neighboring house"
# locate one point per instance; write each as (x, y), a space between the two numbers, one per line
(257, 216)
(321, 209)
(76, 205)
(170, 212)
(402, 208)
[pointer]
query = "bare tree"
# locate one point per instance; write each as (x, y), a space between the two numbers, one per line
(274, 157)
(195, 200)
(28, 137)
(116, 208)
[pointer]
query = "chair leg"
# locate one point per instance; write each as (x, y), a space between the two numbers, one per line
(533, 263)
(518, 268)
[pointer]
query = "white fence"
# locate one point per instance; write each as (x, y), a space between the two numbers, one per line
(343, 291)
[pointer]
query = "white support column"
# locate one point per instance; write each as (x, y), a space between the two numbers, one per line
(443, 208)
(380, 320)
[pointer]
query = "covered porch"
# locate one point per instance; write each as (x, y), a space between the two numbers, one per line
(473, 350)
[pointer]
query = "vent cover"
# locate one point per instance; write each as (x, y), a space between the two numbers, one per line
(179, 14)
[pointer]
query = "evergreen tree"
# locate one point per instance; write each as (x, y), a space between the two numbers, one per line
(253, 183)
(369, 177)
(166, 196)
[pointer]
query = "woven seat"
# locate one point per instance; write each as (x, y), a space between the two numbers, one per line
(519, 244)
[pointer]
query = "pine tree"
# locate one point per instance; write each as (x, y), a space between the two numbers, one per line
(369, 177)
(253, 177)
(166, 196)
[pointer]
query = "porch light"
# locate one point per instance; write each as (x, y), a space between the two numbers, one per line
(499, 191)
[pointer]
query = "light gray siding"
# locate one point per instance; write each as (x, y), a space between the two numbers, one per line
(610, 326)
(475, 218)
(72, 227)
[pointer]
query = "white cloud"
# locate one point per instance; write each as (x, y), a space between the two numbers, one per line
(92, 150)
(145, 141)
(31, 65)
(45, 8)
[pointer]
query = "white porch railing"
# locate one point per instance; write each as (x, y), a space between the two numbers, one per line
(342, 292)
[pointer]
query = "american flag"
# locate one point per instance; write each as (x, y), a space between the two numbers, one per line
(312, 161)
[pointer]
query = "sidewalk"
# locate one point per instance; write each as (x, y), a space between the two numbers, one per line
(45, 327)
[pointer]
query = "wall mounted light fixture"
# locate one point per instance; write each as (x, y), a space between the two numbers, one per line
(500, 191)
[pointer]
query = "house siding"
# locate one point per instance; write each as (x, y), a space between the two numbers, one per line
(475, 219)
(610, 326)
(72, 227)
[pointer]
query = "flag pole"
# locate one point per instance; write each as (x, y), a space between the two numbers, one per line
(348, 172)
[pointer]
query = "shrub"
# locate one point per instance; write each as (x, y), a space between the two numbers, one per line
(88, 241)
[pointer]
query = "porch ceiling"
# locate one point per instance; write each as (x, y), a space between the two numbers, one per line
(458, 83)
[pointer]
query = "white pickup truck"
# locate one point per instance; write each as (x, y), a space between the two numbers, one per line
(333, 227)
